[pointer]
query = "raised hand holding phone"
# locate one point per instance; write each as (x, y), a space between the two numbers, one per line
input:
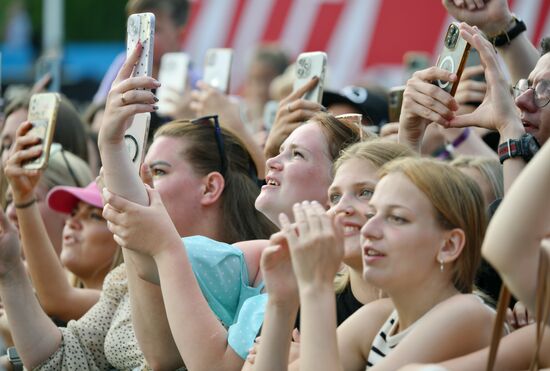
(309, 65)
(453, 57)
(43, 109)
(173, 77)
(217, 68)
(141, 29)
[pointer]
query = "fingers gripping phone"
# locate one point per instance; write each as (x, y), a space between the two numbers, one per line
(453, 57)
(43, 109)
(395, 101)
(173, 80)
(140, 28)
(217, 68)
(309, 65)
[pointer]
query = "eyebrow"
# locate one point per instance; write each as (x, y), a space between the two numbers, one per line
(294, 146)
(156, 163)
(355, 185)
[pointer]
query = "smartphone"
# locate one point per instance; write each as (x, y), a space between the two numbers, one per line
(217, 68)
(173, 78)
(309, 65)
(140, 28)
(395, 101)
(135, 138)
(43, 109)
(49, 64)
(453, 57)
(270, 112)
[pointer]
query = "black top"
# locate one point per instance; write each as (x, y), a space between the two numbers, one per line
(346, 305)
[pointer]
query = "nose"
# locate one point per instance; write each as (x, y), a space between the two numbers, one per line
(371, 229)
(343, 206)
(526, 101)
(73, 222)
(274, 163)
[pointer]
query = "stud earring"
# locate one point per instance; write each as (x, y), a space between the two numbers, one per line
(441, 266)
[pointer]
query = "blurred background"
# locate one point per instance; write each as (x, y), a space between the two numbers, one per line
(366, 40)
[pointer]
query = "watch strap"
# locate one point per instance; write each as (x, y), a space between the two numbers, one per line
(510, 148)
(505, 37)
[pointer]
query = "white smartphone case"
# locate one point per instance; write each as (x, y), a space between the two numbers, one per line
(140, 28)
(217, 68)
(309, 65)
(173, 79)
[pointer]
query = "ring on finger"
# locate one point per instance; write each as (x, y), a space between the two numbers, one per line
(288, 108)
(122, 99)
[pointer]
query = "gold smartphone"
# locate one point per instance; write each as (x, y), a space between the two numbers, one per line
(43, 109)
(395, 101)
(453, 57)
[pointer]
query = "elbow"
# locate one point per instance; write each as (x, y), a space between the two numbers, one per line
(161, 363)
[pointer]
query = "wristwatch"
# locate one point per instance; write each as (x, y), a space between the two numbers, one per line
(505, 37)
(13, 358)
(526, 147)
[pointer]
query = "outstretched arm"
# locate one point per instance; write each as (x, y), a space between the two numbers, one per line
(35, 335)
(519, 228)
(56, 295)
(148, 313)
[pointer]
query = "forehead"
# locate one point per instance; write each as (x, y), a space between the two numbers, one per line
(310, 136)
(165, 149)
(542, 69)
(398, 190)
(355, 171)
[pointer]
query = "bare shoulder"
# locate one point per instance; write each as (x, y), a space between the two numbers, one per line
(360, 329)
(252, 251)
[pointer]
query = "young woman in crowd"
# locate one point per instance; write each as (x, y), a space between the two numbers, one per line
(175, 161)
(349, 194)
(421, 246)
(301, 170)
(88, 251)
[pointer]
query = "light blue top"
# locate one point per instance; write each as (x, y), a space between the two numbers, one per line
(221, 272)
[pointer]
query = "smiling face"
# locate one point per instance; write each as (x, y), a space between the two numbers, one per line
(88, 245)
(178, 184)
(349, 194)
(301, 171)
(402, 237)
(536, 120)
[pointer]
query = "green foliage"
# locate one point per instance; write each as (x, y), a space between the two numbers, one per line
(85, 20)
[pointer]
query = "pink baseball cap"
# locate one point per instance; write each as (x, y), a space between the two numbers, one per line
(65, 198)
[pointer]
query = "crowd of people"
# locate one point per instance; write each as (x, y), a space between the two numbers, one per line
(316, 242)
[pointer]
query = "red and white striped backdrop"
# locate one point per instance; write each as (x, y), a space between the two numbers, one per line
(364, 39)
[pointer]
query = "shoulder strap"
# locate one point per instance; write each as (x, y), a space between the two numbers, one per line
(503, 301)
(542, 309)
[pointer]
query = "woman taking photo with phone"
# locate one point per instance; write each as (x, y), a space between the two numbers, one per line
(199, 182)
(88, 252)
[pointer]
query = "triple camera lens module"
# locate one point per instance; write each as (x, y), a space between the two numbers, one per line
(452, 36)
(304, 68)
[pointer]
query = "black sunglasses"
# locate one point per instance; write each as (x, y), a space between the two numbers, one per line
(213, 119)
